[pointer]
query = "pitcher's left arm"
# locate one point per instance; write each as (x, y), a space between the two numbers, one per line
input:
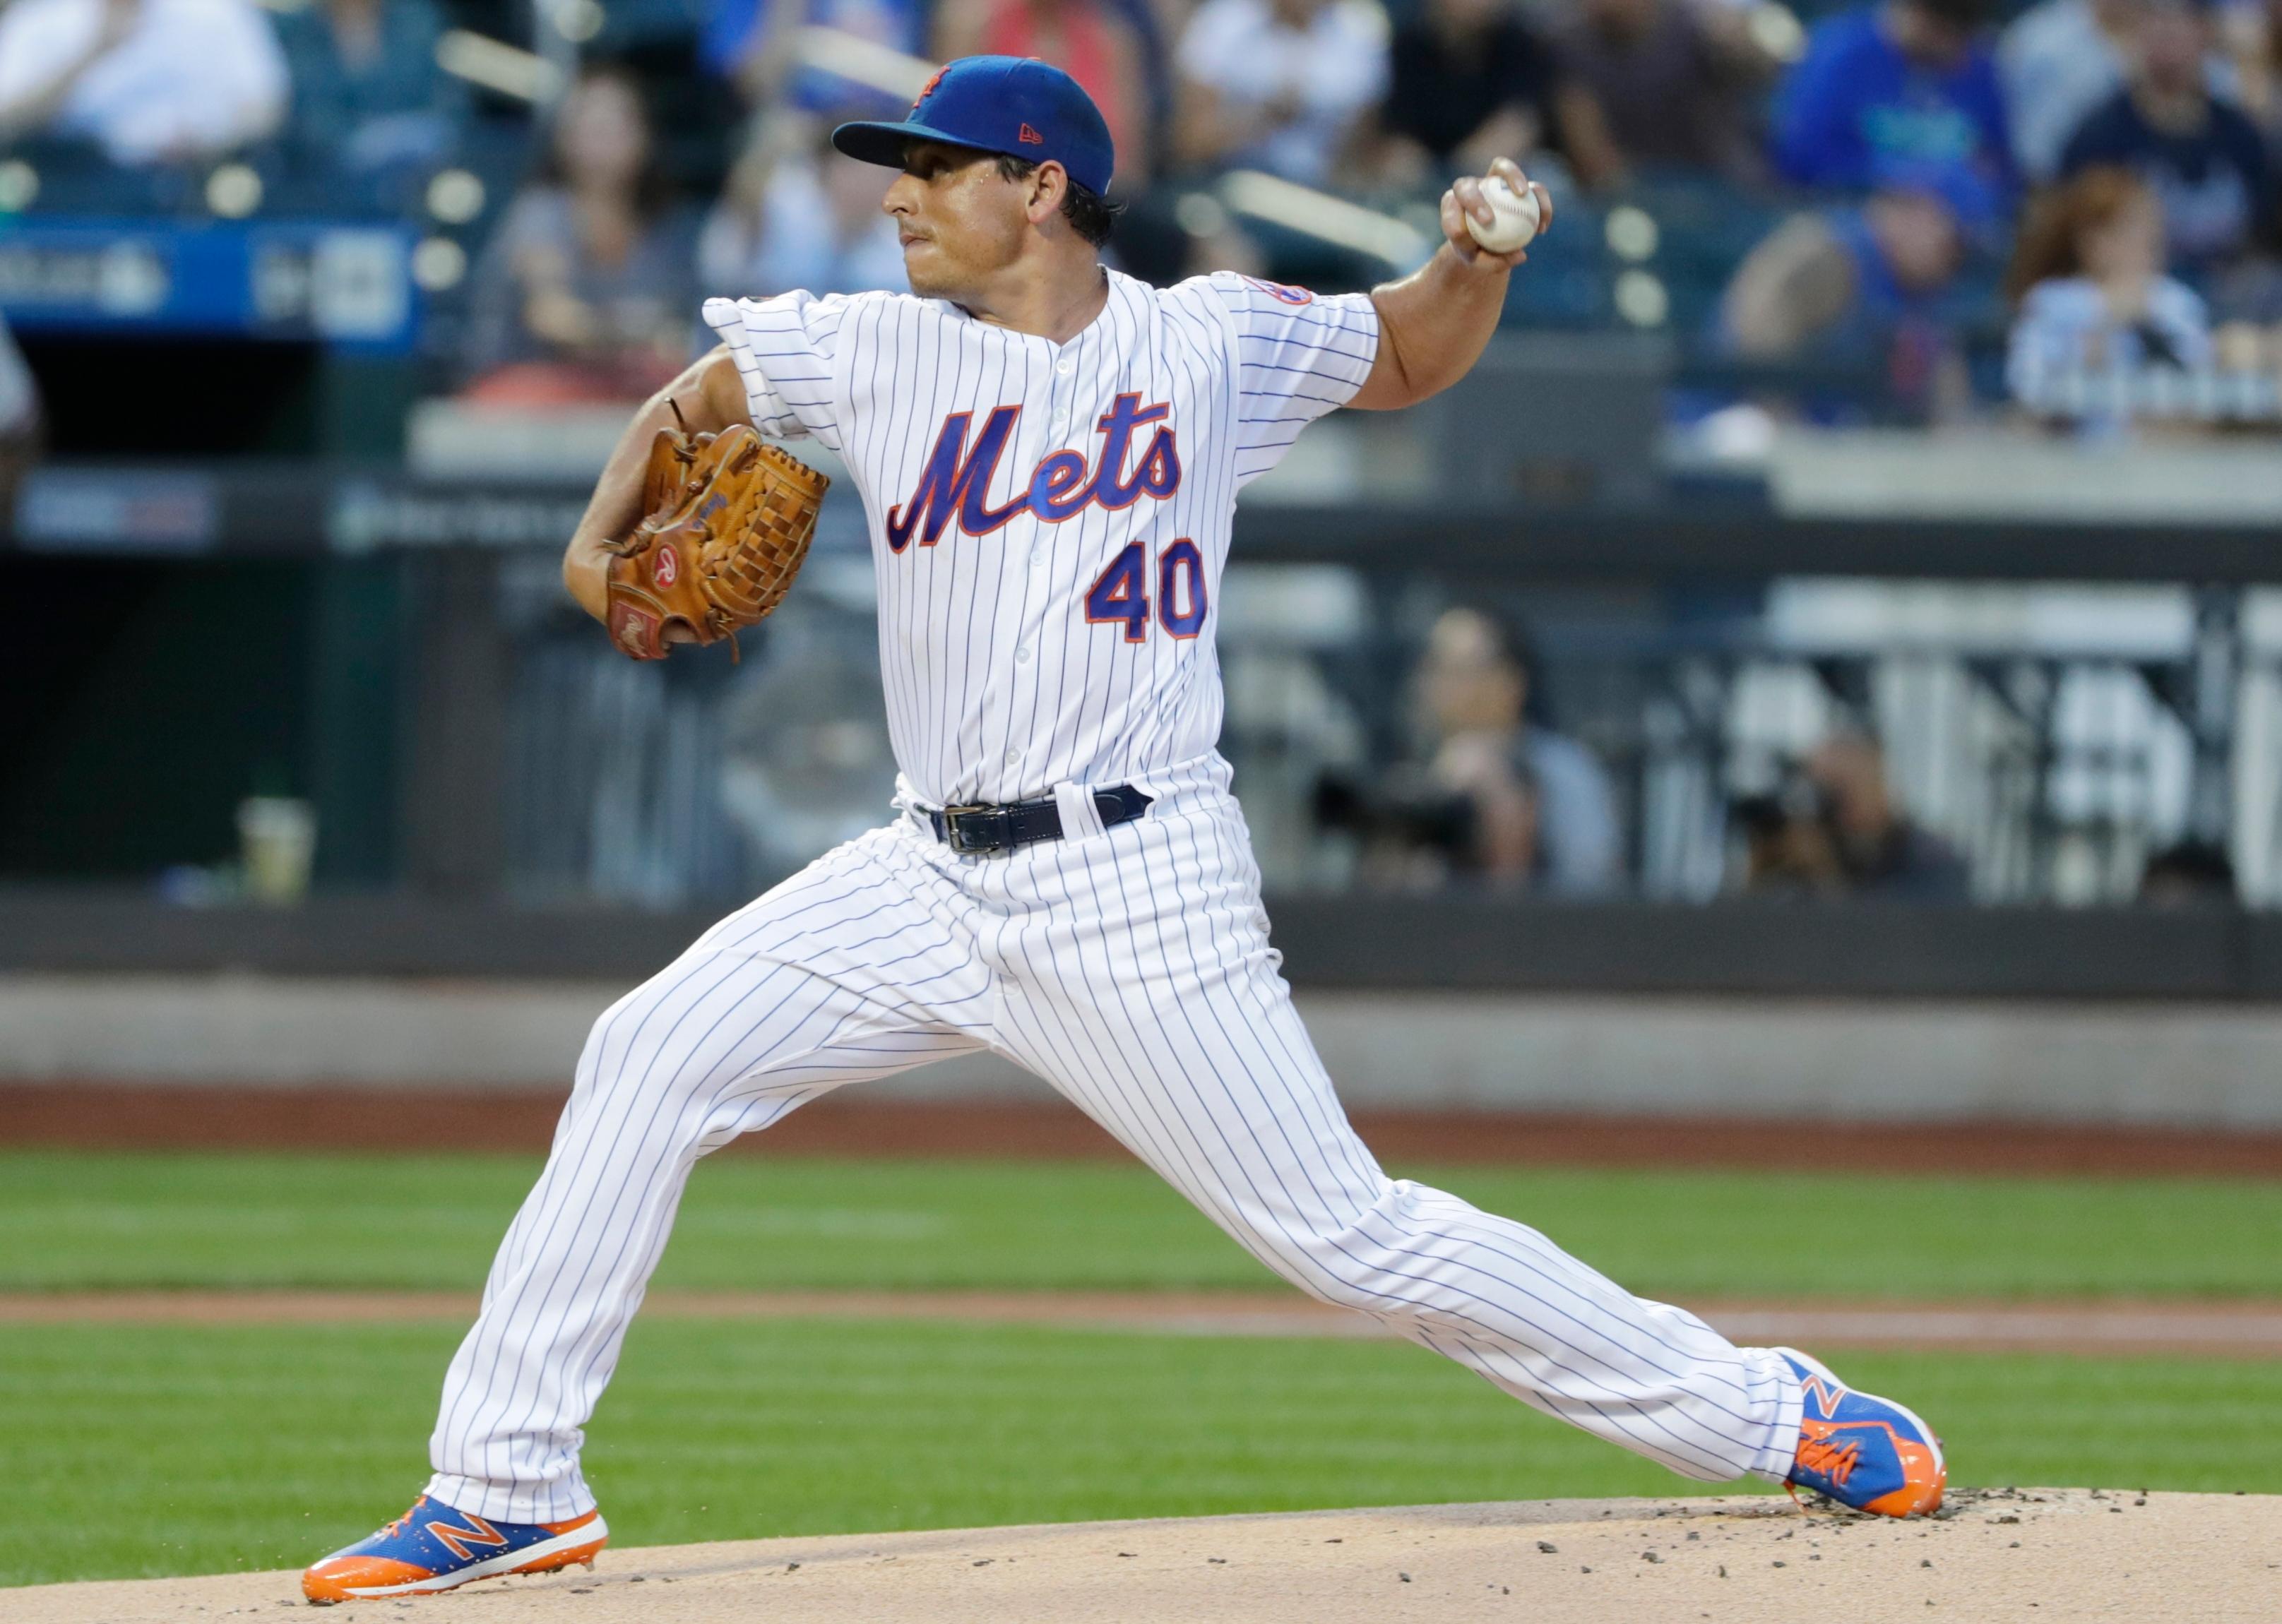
(711, 398)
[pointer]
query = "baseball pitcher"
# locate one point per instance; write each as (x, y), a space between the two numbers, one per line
(1049, 455)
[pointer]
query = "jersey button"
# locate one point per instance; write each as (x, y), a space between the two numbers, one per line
(1013, 758)
(1065, 366)
(1021, 656)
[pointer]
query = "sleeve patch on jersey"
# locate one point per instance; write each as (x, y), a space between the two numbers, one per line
(1283, 290)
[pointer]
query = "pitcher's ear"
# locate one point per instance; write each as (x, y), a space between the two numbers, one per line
(1045, 190)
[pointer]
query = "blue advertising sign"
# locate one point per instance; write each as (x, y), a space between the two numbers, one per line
(338, 284)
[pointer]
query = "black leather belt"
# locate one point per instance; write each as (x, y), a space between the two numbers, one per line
(984, 830)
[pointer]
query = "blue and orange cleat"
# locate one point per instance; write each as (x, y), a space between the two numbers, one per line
(1869, 1453)
(432, 1546)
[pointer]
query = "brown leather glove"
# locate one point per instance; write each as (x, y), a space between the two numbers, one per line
(728, 520)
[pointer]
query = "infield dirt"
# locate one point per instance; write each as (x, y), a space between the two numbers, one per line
(2001, 1555)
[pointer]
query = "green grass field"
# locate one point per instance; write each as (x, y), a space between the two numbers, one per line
(70, 1221)
(224, 1447)
(184, 1451)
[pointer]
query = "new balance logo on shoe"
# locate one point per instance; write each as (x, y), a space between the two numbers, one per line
(460, 1539)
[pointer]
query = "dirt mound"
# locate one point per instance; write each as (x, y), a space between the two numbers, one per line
(2004, 1554)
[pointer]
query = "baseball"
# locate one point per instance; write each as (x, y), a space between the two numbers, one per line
(1517, 217)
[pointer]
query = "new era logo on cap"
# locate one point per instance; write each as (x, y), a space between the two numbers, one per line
(1015, 105)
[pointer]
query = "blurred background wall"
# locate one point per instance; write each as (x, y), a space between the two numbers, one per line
(1828, 657)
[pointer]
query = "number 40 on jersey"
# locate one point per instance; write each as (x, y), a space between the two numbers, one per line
(1120, 595)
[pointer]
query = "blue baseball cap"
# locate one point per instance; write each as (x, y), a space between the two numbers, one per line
(1017, 105)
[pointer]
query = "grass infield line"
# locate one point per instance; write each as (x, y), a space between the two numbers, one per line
(99, 1115)
(2235, 1330)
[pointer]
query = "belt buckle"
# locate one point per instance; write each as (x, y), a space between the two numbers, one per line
(1000, 837)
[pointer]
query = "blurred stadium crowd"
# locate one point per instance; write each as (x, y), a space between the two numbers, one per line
(1918, 212)
(2060, 205)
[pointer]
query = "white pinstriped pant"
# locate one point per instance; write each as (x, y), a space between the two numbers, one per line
(1131, 970)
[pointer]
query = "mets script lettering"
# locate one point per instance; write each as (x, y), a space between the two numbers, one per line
(956, 483)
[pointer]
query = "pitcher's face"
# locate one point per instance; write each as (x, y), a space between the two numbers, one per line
(959, 218)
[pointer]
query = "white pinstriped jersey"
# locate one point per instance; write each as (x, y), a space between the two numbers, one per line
(1049, 522)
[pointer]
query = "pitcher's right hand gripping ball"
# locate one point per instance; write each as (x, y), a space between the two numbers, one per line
(1496, 215)
(727, 522)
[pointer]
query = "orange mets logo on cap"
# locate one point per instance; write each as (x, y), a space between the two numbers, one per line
(927, 89)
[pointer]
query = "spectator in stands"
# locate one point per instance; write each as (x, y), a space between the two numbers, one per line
(150, 81)
(2059, 60)
(2094, 303)
(1870, 285)
(1091, 41)
(1543, 812)
(798, 215)
(750, 42)
(2254, 41)
(22, 419)
(584, 291)
(1279, 85)
(2192, 874)
(367, 93)
(1654, 84)
(2201, 154)
(1837, 829)
(1469, 80)
(1901, 94)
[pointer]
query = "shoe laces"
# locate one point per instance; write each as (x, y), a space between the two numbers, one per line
(1825, 1458)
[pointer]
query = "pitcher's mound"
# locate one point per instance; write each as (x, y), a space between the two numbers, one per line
(2037, 1554)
